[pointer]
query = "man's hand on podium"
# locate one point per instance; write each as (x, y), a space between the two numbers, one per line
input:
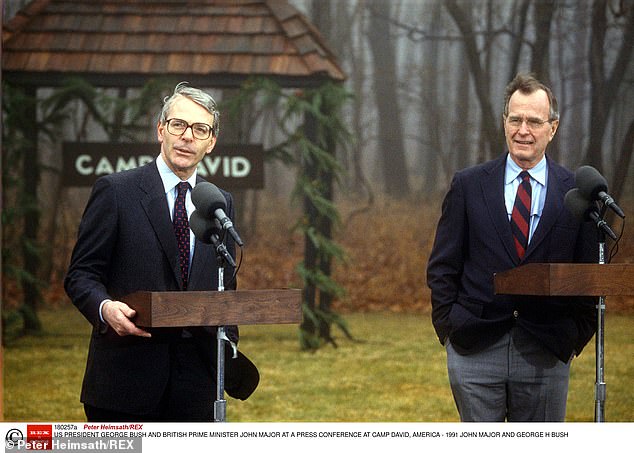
(118, 316)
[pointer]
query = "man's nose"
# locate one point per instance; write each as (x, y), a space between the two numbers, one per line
(188, 133)
(524, 127)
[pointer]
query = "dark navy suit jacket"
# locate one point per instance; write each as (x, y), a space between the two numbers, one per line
(126, 243)
(474, 241)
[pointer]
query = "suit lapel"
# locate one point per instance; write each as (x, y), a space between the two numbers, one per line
(155, 206)
(492, 184)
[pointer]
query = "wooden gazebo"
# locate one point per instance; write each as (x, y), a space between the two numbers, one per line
(213, 43)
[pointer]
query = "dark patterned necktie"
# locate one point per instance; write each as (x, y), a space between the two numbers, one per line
(521, 216)
(181, 229)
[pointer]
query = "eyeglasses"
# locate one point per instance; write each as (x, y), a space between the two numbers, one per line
(176, 126)
(533, 124)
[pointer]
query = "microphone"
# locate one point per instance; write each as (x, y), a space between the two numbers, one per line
(211, 202)
(584, 210)
(208, 231)
(593, 186)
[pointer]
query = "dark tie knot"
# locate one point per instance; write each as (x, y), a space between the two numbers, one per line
(183, 187)
(525, 176)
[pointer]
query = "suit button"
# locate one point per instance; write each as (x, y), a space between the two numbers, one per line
(516, 314)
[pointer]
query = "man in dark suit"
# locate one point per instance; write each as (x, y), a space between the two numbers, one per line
(508, 357)
(126, 243)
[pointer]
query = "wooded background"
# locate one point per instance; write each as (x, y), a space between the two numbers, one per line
(427, 79)
(429, 76)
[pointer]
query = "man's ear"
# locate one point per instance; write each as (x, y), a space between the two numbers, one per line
(212, 145)
(160, 128)
(553, 129)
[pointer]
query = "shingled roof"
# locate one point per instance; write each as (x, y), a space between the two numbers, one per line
(125, 42)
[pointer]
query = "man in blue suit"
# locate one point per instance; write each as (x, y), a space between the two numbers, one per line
(508, 357)
(127, 242)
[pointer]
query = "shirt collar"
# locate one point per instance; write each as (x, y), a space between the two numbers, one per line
(538, 172)
(170, 180)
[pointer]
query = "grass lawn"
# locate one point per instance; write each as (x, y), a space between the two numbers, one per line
(394, 372)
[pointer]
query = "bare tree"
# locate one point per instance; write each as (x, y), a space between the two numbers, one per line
(481, 79)
(624, 162)
(462, 118)
(569, 52)
(389, 127)
(543, 16)
(499, 38)
(606, 83)
(431, 113)
(357, 75)
(519, 16)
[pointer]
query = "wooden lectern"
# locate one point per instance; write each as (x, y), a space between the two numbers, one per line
(216, 308)
(567, 279)
(573, 279)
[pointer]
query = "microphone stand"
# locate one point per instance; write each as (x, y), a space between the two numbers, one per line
(220, 405)
(600, 386)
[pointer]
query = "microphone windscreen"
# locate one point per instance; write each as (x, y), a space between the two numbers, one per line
(590, 182)
(207, 198)
(577, 204)
(203, 227)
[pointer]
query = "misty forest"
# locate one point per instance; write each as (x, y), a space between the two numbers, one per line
(423, 98)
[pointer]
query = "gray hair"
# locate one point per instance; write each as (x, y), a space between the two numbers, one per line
(528, 84)
(196, 95)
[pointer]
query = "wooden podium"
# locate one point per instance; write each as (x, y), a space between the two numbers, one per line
(573, 279)
(567, 279)
(220, 309)
(215, 308)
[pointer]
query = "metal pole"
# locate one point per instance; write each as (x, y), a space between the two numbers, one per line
(220, 405)
(599, 387)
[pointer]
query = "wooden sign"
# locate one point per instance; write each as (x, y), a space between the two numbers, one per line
(228, 166)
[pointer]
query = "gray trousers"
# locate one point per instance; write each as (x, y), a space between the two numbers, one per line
(515, 379)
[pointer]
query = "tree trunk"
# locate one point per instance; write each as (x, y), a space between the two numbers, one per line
(605, 87)
(540, 56)
(431, 113)
(517, 40)
(358, 63)
(623, 164)
(322, 14)
(492, 132)
(314, 260)
(574, 90)
(462, 116)
(30, 251)
(389, 126)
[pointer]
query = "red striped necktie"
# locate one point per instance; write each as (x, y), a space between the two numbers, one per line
(521, 216)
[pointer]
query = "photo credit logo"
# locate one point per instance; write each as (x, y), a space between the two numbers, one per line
(39, 437)
(13, 436)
